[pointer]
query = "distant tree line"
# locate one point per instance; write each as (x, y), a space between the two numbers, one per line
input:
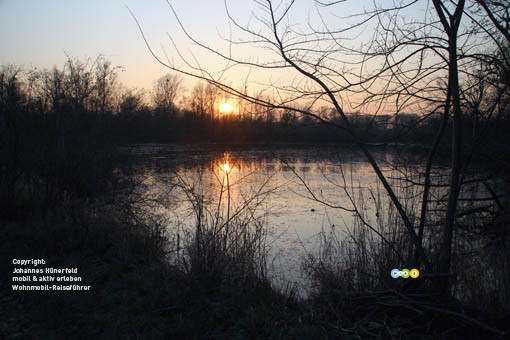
(86, 98)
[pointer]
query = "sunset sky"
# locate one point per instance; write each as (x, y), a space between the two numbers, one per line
(40, 33)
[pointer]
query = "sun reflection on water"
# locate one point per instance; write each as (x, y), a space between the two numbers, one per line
(225, 164)
(226, 167)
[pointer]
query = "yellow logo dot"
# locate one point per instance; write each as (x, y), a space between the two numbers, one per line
(414, 273)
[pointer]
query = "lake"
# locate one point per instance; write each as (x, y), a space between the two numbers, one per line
(301, 191)
(297, 193)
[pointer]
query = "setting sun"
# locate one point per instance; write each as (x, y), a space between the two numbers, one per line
(226, 108)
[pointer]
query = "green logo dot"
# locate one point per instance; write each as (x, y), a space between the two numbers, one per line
(405, 273)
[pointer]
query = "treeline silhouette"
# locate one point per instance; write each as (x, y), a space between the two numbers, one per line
(85, 98)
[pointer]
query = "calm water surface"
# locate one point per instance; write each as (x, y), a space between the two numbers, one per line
(300, 192)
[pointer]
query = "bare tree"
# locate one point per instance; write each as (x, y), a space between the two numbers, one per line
(203, 99)
(52, 89)
(79, 83)
(131, 101)
(165, 92)
(418, 58)
(106, 86)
